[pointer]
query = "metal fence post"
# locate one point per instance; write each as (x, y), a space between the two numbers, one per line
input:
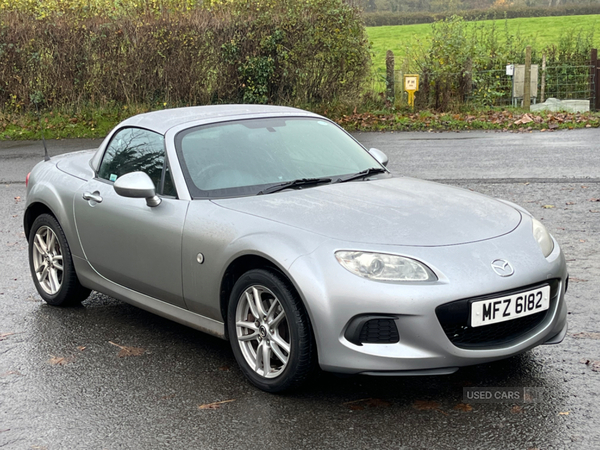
(468, 79)
(390, 88)
(594, 80)
(543, 88)
(527, 81)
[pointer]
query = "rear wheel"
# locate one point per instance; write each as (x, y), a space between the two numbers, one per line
(270, 332)
(51, 264)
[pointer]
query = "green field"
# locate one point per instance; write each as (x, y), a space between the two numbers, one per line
(541, 31)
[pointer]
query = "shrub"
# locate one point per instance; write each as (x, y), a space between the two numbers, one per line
(457, 64)
(465, 62)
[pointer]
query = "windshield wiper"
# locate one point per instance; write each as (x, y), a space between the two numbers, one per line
(364, 173)
(292, 184)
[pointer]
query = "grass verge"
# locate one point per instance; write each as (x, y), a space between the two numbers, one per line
(63, 124)
(98, 123)
(500, 120)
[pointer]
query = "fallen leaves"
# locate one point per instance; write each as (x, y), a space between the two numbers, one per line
(432, 121)
(595, 365)
(17, 199)
(526, 118)
(586, 335)
(9, 373)
(548, 206)
(60, 360)
(360, 404)
(428, 405)
(4, 336)
(564, 413)
(516, 409)
(128, 351)
(215, 405)
(464, 407)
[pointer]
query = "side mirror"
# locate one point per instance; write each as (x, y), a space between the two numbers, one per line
(379, 156)
(137, 185)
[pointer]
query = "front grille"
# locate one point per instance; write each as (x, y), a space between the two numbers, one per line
(455, 318)
(379, 331)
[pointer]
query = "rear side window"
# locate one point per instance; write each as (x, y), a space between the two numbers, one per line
(137, 150)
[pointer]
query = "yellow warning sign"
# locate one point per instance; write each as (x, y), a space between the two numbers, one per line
(411, 85)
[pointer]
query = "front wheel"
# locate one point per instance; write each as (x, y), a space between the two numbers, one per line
(51, 264)
(270, 332)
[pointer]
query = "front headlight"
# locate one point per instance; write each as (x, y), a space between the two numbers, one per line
(384, 267)
(542, 237)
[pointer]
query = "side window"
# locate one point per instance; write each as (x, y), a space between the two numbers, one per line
(136, 150)
(168, 185)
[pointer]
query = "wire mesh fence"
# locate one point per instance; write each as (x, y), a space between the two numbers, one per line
(566, 82)
(493, 88)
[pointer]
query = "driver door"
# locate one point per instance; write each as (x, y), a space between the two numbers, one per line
(123, 239)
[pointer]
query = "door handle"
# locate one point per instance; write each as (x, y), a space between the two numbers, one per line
(95, 197)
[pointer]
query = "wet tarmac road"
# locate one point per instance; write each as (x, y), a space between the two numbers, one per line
(63, 384)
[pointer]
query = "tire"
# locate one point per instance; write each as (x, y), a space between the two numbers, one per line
(266, 321)
(51, 264)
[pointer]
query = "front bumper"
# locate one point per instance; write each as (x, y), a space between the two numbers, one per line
(334, 297)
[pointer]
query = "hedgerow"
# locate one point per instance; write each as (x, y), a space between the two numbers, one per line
(275, 51)
(376, 19)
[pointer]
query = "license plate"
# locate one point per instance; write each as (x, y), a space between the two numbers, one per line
(496, 310)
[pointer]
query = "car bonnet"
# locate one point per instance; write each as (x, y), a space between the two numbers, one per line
(393, 211)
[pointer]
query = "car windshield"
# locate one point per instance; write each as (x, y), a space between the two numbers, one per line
(247, 156)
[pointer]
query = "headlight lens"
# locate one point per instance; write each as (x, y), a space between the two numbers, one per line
(384, 267)
(542, 237)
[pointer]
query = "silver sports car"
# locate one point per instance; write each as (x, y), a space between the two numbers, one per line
(275, 229)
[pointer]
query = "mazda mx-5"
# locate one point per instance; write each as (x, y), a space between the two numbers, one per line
(275, 229)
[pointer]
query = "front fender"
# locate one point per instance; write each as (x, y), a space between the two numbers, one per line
(222, 236)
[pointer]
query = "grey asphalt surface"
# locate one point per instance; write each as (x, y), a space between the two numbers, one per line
(64, 386)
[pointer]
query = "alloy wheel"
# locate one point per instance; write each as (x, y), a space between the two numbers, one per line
(262, 331)
(47, 260)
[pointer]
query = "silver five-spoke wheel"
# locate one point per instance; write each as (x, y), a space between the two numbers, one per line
(270, 332)
(51, 263)
(263, 332)
(47, 260)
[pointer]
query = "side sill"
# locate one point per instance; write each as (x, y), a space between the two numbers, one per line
(93, 280)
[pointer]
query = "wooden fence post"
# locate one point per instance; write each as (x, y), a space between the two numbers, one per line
(595, 80)
(390, 88)
(527, 81)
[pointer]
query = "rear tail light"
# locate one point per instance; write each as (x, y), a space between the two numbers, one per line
(27, 179)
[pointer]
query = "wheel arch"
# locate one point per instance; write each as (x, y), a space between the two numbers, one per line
(33, 211)
(243, 264)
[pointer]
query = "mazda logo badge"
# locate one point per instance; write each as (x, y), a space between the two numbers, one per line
(502, 267)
